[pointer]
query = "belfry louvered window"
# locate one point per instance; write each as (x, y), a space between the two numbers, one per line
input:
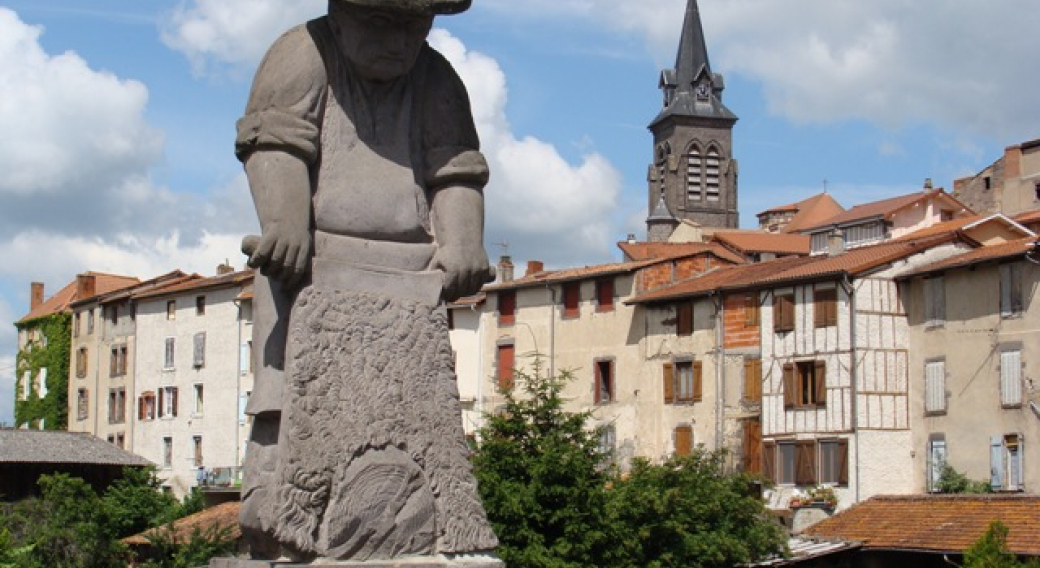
(711, 175)
(694, 171)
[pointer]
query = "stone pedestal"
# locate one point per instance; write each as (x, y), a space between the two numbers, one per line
(474, 561)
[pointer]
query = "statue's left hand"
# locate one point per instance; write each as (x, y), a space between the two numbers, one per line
(465, 270)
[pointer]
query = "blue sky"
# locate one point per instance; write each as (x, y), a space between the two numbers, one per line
(118, 117)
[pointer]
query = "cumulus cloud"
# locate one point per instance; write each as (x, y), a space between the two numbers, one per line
(957, 64)
(6, 390)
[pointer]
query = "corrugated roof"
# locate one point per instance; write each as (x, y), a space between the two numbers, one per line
(60, 302)
(936, 523)
(45, 446)
(196, 282)
(568, 274)
(222, 515)
(882, 208)
(751, 242)
(670, 251)
(983, 254)
(793, 269)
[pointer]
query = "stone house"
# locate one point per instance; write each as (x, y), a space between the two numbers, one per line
(101, 383)
(1010, 185)
(976, 366)
(193, 377)
(43, 363)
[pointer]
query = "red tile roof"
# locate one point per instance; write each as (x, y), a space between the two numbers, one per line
(883, 208)
(167, 279)
(795, 269)
(751, 242)
(809, 212)
(936, 523)
(196, 282)
(568, 274)
(223, 515)
(977, 256)
(1028, 217)
(468, 301)
(60, 302)
(668, 251)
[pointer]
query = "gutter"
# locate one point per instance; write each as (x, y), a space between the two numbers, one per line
(720, 376)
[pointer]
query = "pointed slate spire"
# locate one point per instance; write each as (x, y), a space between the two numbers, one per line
(661, 222)
(691, 89)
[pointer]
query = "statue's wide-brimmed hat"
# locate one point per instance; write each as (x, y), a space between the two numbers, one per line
(416, 6)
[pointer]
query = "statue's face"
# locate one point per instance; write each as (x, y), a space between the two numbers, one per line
(381, 45)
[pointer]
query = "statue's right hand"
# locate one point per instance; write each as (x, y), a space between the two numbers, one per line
(280, 254)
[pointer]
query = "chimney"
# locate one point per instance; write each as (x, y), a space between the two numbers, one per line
(35, 295)
(835, 243)
(225, 268)
(534, 267)
(86, 286)
(505, 268)
(928, 184)
(631, 238)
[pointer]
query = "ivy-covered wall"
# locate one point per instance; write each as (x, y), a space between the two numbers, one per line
(49, 350)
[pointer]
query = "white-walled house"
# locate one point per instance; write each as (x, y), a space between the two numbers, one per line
(193, 377)
(466, 336)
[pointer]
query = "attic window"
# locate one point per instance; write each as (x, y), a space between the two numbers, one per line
(987, 182)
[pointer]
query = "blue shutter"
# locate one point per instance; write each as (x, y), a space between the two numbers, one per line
(996, 461)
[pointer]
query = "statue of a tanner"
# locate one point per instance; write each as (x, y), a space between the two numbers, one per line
(364, 165)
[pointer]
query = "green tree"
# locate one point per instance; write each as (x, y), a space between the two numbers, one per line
(688, 512)
(136, 502)
(952, 481)
(990, 551)
(540, 477)
(169, 551)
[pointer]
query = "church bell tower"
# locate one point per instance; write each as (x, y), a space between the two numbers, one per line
(693, 173)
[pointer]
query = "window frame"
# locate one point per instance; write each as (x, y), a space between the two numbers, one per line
(805, 385)
(166, 403)
(604, 391)
(570, 299)
(171, 310)
(170, 353)
(605, 295)
(505, 377)
(1010, 376)
(200, 305)
(505, 305)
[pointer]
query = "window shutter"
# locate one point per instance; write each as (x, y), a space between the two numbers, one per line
(753, 380)
(789, 385)
(750, 310)
(669, 383)
(1005, 290)
(1011, 378)
(698, 381)
(140, 408)
(684, 318)
(199, 351)
(161, 409)
(683, 440)
(805, 458)
(173, 395)
(1017, 466)
(996, 462)
(1016, 289)
(819, 309)
(769, 461)
(843, 462)
(820, 376)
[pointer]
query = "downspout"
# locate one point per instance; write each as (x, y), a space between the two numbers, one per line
(99, 326)
(552, 330)
(851, 291)
(720, 376)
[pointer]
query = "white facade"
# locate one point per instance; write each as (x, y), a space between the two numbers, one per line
(192, 380)
(465, 333)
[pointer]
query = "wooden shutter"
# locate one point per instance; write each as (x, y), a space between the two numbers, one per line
(1011, 378)
(751, 310)
(996, 462)
(783, 312)
(669, 383)
(160, 409)
(506, 307)
(683, 440)
(571, 299)
(825, 307)
(684, 319)
(698, 381)
(843, 462)
(753, 380)
(790, 394)
(605, 295)
(752, 445)
(820, 383)
(506, 362)
(173, 394)
(805, 462)
(140, 408)
(769, 461)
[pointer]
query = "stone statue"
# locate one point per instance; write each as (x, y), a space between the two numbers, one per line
(364, 165)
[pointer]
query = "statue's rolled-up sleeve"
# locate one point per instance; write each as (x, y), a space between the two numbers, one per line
(450, 141)
(285, 103)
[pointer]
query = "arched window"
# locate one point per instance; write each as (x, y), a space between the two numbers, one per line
(694, 175)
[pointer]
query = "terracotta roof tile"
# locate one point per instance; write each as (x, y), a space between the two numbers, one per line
(794, 269)
(809, 212)
(668, 251)
(759, 242)
(197, 282)
(983, 254)
(882, 208)
(223, 515)
(567, 274)
(474, 300)
(938, 523)
(1028, 217)
(60, 302)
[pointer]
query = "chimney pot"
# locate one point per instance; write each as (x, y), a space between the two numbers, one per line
(631, 238)
(835, 243)
(534, 267)
(35, 295)
(86, 286)
(928, 183)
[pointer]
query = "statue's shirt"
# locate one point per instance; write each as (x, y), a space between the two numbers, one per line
(376, 152)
